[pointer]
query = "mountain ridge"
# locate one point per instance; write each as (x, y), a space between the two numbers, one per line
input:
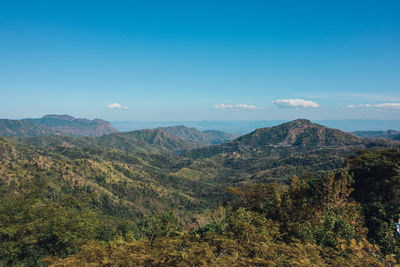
(300, 132)
(291, 148)
(75, 126)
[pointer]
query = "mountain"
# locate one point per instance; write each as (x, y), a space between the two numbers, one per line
(299, 132)
(75, 126)
(9, 128)
(140, 141)
(281, 151)
(267, 153)
(150, 140)
(131, 174)
(160, 140)
(388, 134)
(193, 135)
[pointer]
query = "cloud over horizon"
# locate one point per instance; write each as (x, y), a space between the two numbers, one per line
(295, 103)
(116, 106)
(235, 107)
(382, 106)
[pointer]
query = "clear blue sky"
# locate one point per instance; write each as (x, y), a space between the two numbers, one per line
(200, 60)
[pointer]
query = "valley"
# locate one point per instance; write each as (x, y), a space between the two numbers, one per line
(132, 177)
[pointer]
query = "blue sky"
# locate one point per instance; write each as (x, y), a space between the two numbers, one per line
(200, 60)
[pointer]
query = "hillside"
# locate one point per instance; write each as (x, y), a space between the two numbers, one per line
(75, 126)
(141, 141)
(160, 140)
(85, 208)
(127, 198)
(152, 140)
(9, 128)
(118, 183)
(192, 135)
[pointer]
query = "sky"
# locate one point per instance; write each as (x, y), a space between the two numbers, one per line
(200, 60)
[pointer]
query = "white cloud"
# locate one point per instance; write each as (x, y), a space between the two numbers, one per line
(116, 106)
(295, 103)
(235, 107)
(379, 106)
(388, 105)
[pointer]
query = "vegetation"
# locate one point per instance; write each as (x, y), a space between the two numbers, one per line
(69, 125)
(10, 128)
(69, 201)
(377, 189)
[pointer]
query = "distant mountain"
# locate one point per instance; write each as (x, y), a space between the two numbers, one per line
(247, 126)
(75, 126)
(291, 148)
(9, 128)
(152, 140)
(299, 132)
(141, 141)
(267, 153)
(388, 134)
(160, 140)
(193, 135)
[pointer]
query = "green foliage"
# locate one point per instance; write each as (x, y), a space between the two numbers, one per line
(164, 225)
(73, 205)
(377, 188)
(31, 228)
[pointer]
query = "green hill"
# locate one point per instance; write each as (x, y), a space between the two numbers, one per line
(119, 183)
(192, 135)
(160, 140)
(299, 132)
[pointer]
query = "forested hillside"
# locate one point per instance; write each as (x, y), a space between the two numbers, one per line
(161, 140)
(312, 221)
(295, 194)
(209, 137)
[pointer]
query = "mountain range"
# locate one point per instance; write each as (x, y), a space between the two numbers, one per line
(55, 125)
(291, 148)
(135, 172)
(56, 188)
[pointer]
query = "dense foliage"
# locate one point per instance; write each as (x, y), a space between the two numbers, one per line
(377, 188)
(88, 201)
(311, 221)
